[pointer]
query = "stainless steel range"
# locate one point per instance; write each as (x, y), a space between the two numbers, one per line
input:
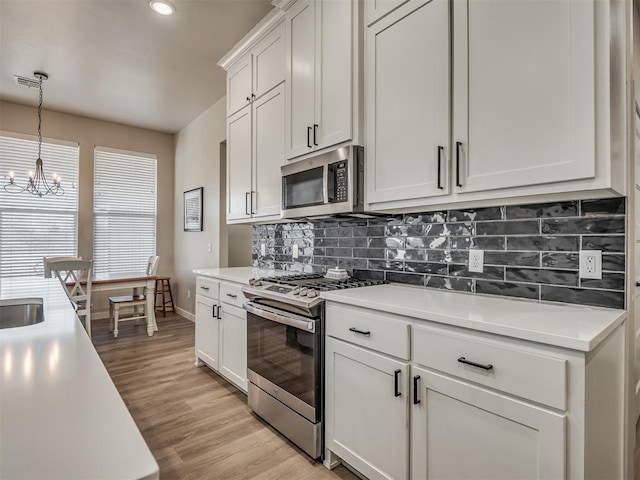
(285, 352)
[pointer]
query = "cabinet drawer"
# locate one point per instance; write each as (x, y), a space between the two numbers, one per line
(231, 293)
(207, 287)
(527, 374)
(377, 331)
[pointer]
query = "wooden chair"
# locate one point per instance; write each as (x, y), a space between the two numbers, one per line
(46, 261)
(75, 277)
(136, 301)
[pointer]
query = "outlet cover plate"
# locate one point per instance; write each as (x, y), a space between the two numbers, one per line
(295, 251)
(591, 264)
(263, 249)
(476, 261)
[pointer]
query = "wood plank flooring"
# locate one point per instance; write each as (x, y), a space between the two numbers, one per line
(196, 424)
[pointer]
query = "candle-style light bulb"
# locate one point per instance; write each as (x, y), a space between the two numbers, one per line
(30, 174)
(11, 177)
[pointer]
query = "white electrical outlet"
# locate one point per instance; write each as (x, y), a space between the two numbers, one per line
(476, 261)
(209, 247)
(263, 249)
(591, 264)
(188, 293)
(295, 252)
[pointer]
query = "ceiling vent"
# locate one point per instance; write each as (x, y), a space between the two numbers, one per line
(26, 81)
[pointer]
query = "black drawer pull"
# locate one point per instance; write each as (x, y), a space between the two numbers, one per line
(487, 367)
(315, 134)
(204, 288)
(458, 146)
(396, 382)
(440, 149)
(214, 311)
(308, 137)
(232, 295)
(416, 400)
(219, 311)
(361, 332)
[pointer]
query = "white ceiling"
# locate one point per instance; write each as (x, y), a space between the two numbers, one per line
(118, 60)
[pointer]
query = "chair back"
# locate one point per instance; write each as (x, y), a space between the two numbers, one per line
(75, 278)
(152, 265)
(46, 261)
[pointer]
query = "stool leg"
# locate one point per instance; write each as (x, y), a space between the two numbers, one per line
(110, 317)
(164, 310)
(156, 295)
(115, 320)
(171, 296)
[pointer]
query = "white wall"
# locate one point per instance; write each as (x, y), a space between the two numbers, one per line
(199, 159)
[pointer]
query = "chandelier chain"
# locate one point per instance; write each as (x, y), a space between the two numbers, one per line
(40, 120)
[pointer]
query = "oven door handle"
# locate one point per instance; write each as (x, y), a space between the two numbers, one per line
(292, 320)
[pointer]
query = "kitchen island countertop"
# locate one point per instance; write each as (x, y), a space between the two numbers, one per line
(61, 416)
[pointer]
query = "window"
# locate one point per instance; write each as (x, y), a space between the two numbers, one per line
(32, 227)
(124, 210)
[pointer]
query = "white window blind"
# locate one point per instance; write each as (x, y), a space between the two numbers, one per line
(32, 227)
(124, 210)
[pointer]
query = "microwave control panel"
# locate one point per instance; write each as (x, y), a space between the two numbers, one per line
(341, 182)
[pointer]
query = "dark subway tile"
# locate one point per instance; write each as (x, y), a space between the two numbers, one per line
(544, 243)
(368, 252)
(482, 243)
(583, 225)
(350, 263)
(561, 260)
(394, 254)
(368, 275)
(426, 242)
(613, 243)
(416, 255)
(496, 273)
(458, 256)
(434, 230)
(491, 213)
(555, 209)
(529, 259)
(415, 230)
(535, 275)
(597, 298)
(407, 278)
(386, 220)
(610, 281)
(604, 206)
(354, 222)
(325, 224)
(377, 231)
(426, 267)
(396, 230)
(326, 242)
(507, 289)
(319, 251)
(446, 283)
(352, 242)
(460, 229)
(339, 252)
(421, 218)
(434, 281)
(338, 232)
(613, 262)
(326, 261)
(513, 227)
(319, 233)
(385, 265)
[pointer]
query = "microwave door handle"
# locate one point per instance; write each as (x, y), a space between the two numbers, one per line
(325, 184)
(295, 321)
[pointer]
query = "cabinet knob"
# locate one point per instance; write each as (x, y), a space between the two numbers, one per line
(248, 99)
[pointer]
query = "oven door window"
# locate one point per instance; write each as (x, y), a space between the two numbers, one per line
(286, 356)
(303, 189)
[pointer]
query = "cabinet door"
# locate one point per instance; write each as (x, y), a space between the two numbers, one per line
(239, 85)
(269, 62)
(376, 9)
(207, 331)
(366, 423)
(524, 98)
(233, 345)
(268, 152)
(300, 52)
(465, 432)
(239, 164)
(333, 73)
(407, 103)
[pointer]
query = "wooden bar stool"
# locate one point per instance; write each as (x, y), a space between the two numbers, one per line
(163, 286)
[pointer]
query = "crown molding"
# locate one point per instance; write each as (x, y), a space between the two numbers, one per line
(264, 26)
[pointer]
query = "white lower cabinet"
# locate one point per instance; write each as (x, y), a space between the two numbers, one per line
(221, 330)
(367, 411)
(462, 431)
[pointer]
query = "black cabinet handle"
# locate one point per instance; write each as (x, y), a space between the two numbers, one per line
(361, 332)
(232, 295)
(440, 149)
(308, 137)
(204, 288)
(416, 400)
(252, 202)
(219, 309)
(248, 99)
(253, 95)
(315, 134)
(214, 311)
(487, 366)
(246, 203)
(396, 382)
(458, 147)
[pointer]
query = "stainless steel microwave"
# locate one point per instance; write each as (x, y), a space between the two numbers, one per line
(330, 183)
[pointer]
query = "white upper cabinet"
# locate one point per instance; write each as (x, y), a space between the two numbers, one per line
(379, 8)
(268, 152)
(239, 165)
(257, 71)
(319, 44)
(407, 103)
(524, 98)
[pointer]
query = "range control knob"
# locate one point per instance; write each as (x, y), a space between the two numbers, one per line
(257, 283)
(312, 293)
(303, 291)
(295, 291)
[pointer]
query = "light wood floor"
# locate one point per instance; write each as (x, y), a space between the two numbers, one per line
(196, 424)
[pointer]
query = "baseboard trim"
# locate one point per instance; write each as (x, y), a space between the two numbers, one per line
(183, 313)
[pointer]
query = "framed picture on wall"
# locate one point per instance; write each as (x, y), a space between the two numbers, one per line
(193, 210)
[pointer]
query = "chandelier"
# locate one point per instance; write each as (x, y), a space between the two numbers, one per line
(37, 184)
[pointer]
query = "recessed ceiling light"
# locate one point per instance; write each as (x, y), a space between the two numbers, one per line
(163, 7)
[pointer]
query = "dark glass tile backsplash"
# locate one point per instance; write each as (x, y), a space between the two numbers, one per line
(531, 251)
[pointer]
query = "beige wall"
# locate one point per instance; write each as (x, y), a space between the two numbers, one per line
(89, 133)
